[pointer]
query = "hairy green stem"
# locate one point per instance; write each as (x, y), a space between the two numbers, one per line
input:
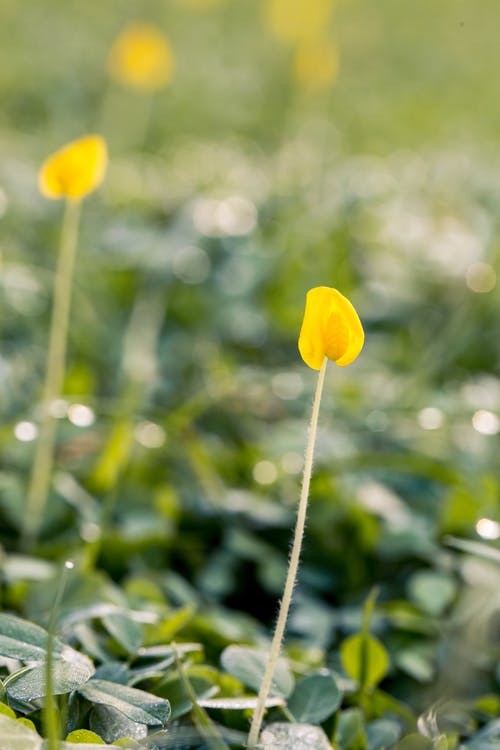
(293, 566)
(54, 378)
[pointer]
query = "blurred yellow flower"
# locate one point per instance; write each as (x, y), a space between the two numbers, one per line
(316, 64)
(293, 20)
(141, 57)
(200, 4)
(331, 328)
(75, 170)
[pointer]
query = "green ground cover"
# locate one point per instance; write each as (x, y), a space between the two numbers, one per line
(182, 422)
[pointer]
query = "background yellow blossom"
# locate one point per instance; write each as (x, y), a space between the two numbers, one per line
(141, 57)
(201, 4)
(316, 64)
(294, 20)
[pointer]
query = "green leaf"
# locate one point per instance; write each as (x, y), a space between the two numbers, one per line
(382, 703)
(164, 651)
(7, 711)
(25, 641)
(418, 661)
(414, 741)
(22, 640)
(179, 699)
(314, 699)
(84, 735)
(27, 723)
(406, 616)
(350, 732)
(27, 568)
(125, 631)
(488, 704)
(112, 724)
(364, 659)
(16, 736)
(201, 719)
(137, 705)
(238, 704)
(293, 737)
(144, 590)
(170, 625)
(479, 549)
(248, 665)
(91, 642)
(113, 671)
(382, 733)
(490, 731)
(432, 591)
(153, 661)
(114, 455)
(29, 684)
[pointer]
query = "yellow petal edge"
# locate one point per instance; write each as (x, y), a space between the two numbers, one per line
(75, 170)
(331, 328)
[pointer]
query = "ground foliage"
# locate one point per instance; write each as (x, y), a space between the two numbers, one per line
(229, 194)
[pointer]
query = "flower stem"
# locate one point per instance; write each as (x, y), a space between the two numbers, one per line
(54, 377)
(292, 568)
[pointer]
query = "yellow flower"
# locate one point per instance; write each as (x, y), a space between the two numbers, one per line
(75, 170)
(142, 58)
(293, 20)
(331, 328)
(316, 64)
(201, 4)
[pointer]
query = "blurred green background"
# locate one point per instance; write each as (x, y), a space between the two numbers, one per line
(230, 192)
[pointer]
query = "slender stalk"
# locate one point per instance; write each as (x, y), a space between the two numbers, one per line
(54, 377)
(293, 566)
(51, 722)
(139, 370)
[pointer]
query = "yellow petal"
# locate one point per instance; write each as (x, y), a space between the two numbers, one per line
(336, 336)
(141, 57)
(331, 328)
(316, 64)
(295, 20)
(201, 4)
(311, 338)
(75, 170)
(356, 333)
